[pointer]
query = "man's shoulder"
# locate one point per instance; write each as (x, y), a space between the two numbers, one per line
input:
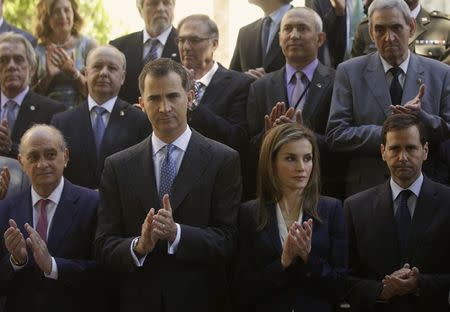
(81, 191)
(235, 76)
(131, 153)
(268, 78)
(249, 27)
(219, 150)
(120, 42)
(365, 196)
(45, 102)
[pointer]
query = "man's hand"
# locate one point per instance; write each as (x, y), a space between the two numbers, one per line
(411, 107)
(39, 248)
(15, 243)
(5, 137)
(5, 177)
(338, 6)
(401, 282)
(148, 239)
(256, 72)
(279, 115)
(165, 227)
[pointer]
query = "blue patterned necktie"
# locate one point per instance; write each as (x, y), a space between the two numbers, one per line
(168, 172)
(10, 114)
(153, 52)
(403, 218)
(99, 126)
(197, 91)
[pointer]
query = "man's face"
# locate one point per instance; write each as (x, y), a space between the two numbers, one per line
(105, 74)
(43, 161)
(390, 32)
(157, 15)
(15, 70)
(195, 45)
(165, 102)
(299, 39)
(404, 155)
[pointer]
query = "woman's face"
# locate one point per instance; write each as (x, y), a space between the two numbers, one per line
(293, 165)
(61, 16)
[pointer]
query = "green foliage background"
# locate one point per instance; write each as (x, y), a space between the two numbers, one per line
(21, 13)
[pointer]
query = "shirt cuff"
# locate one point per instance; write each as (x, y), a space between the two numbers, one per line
(172, 248)
(54, 272)
(138, 262)
(17, 267)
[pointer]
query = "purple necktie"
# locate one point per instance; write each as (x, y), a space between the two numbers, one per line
(42, 224)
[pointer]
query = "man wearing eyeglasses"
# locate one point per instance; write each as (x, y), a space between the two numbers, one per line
(155, 41)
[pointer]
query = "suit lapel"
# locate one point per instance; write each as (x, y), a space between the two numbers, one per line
(426, 207)
(65, 214)
(194, 164)
(144, 171)
(212, 92)
(274, 49)
(27, 111)
(271, 231)
(414, 78)
(314, 97)
(23, 211)
(171, 48)
(385, 229)
(256, 51)
(278, 90)
(376, 80)
(86, 127)
(114, 127)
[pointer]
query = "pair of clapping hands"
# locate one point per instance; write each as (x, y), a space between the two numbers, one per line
(279, 115)
(58, 60)
(297, 243)
(401, 282)
(17, 246)
(156, 226)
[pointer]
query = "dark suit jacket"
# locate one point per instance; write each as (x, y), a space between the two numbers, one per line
(374, 250)
(132, 46)
(69, 242)
(127, 126)
(267, 91)
(361, 103)
(335, 27)
(261, 283)
(248, 51)
(205, 198)
(221, 114)
(35, 109)
(8, 27)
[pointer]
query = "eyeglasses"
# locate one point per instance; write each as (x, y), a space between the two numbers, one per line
(191, 40)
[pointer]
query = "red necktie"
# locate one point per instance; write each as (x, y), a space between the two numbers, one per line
(42, 224)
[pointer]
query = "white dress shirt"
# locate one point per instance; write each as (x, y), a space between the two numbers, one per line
(206, 80)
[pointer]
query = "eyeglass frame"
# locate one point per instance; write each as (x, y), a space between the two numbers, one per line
(192, 40)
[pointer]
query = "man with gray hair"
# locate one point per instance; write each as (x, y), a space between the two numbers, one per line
(393, 80)
(20, 107)
(155, 41)
(304, 84)
(102, 125)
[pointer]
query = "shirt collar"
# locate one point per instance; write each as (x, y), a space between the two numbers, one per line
(55, 196)
(206, 79)
(403, 66)
(108, 105)
(181, 142)
(308, 70)
(162, 36)
(277, 15)
(415, 187)
(416, 11)
(18, 98)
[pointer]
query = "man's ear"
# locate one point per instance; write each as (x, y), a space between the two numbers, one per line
(321, 39)
(382, 149)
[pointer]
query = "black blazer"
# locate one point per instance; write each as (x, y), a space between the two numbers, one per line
(69, 242)
(221, 115)
(374, 250)
(127, 126)
(261, 283)
(132, 46)
(205, 200)
(248, 51)
(35, 109)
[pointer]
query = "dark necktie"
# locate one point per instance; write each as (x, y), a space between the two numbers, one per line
(403, 218)
(10, 114)
(396, 89)
(99, 126)
(265, 32)
(152, 54)
(42, 224)
(168, 172)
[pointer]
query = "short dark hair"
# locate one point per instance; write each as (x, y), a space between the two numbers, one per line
(213, 30)
(162, 67)
(397, 122)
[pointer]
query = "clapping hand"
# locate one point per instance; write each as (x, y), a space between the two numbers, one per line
(411, 107)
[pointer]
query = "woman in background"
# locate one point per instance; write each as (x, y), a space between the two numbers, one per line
(292, 252)
(61, 52)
